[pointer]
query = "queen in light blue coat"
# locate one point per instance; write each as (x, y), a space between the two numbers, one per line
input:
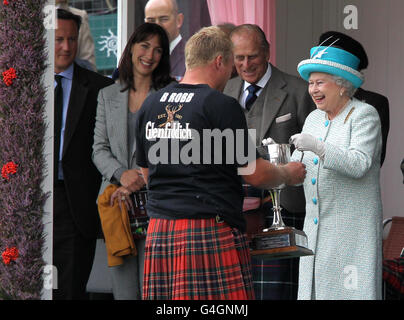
(341, 141)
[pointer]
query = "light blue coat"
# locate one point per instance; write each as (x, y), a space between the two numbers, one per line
(343, 207)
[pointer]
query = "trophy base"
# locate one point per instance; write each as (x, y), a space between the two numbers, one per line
(281, 243)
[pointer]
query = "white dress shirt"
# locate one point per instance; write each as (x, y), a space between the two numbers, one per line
(261, 83)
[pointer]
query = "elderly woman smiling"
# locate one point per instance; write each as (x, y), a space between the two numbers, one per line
(341, 141)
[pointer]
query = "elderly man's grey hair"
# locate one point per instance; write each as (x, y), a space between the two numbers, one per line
(254, 30)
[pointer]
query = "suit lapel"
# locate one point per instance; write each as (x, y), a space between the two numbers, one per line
(77, 102)
(273, 99)
(175, 56)
(119, 119)
(234, 88)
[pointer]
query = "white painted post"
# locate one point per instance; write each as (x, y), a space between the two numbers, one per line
(48, 79)
(126, 24)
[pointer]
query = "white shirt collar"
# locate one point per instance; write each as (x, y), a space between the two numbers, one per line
(262, 82)
(174, 43)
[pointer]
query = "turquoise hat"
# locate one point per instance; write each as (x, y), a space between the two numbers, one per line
(334, 61)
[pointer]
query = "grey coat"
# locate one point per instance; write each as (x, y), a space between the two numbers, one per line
(110, 149)
(110, 152)
(279, 112)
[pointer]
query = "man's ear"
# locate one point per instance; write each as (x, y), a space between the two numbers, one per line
(218, 61)
(268, 54)
(180, 20)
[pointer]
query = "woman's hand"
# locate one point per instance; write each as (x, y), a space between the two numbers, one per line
(132, 180)
(306, 142)
(122, 196)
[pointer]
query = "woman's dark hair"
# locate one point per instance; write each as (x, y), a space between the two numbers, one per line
(161, 75)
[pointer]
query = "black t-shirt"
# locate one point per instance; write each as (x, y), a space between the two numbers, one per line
(193, 139)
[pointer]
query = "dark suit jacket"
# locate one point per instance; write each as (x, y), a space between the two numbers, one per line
(381, 104)
(82, 179)
(177, 60)
(279, 112)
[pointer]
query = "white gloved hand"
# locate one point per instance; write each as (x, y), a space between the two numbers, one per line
(306, 142)
(268, 141)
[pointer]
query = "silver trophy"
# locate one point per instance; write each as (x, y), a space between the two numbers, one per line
(279, 241)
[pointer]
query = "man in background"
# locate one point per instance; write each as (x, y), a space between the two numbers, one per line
(86, 50)
(276, 104)
(165, 13)
(76, 179)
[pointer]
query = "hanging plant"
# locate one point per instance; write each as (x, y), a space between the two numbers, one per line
(22, 163)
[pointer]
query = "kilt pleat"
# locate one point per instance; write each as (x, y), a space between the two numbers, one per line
(196, 259)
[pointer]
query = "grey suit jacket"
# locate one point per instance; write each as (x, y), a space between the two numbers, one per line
(279, 112)
(110, 148)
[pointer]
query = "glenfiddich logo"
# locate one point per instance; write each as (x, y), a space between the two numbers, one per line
(171, 128)
(175, 141)
(171, 111)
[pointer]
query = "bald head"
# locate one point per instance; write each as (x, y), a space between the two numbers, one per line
(156, 3)
(165, 13)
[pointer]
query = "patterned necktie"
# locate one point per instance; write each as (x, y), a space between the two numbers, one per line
(252, 90)
(57, 124)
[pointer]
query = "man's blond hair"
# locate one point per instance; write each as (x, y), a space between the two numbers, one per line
(205, 45)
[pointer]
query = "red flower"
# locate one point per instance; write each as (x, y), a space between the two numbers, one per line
(8, 76)
(10, 254)
(9, 168)
(5, 2)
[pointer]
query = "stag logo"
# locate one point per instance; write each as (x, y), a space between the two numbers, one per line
(171, 111)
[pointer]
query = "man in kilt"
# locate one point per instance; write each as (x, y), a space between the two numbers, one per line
(191, 144)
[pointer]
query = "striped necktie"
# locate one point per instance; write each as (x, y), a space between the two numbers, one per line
(252, 90)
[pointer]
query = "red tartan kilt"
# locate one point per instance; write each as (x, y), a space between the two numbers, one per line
(196, 259)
